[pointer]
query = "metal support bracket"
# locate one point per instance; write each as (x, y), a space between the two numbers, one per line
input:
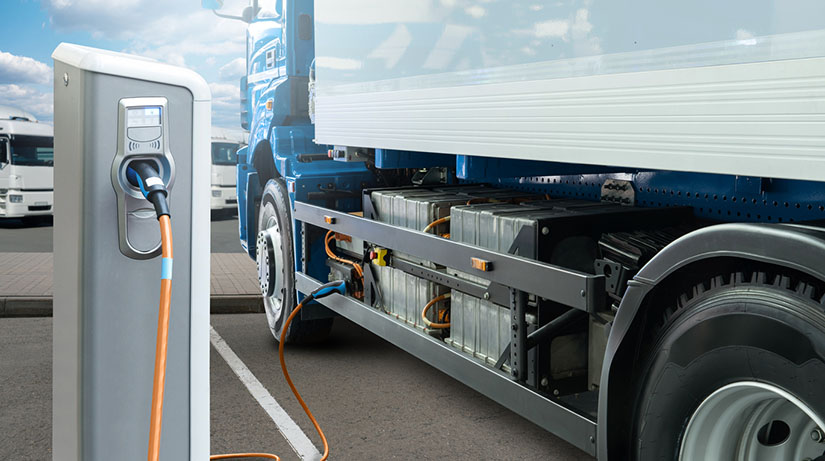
(518, 340)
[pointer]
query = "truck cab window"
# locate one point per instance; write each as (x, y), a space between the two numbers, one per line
(4, 151)
(32, 151)
(224, 153)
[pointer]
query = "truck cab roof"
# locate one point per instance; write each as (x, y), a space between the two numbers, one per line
(16, 121)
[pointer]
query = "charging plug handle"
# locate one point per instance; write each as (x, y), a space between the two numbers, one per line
(144, 176)
(327, 289)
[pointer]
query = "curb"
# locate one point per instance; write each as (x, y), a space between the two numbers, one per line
(41, 306)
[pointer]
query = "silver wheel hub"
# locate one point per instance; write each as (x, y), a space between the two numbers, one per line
(269, 257)
(753, 421)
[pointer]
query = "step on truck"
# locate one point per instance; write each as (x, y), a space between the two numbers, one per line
(26, 165)
(605, 217)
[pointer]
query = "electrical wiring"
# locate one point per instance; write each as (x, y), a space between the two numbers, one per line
(358, 270)
(430, 304)
(436, 223)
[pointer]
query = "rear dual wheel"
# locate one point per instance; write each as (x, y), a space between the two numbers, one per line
(276, 268)
(737, 373)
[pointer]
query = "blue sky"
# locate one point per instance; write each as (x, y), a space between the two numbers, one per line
(175, 31)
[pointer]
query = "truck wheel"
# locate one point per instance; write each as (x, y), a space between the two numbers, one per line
(276, 268)
(736, 372)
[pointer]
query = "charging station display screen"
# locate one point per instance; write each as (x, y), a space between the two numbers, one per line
(143, 116)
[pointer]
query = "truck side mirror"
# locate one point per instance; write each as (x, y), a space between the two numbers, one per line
(248, 14)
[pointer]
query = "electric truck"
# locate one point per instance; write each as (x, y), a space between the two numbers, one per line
(225, 145)
(26, 165)
(605, 216)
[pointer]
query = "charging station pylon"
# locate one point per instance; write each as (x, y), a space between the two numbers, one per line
(111, 109)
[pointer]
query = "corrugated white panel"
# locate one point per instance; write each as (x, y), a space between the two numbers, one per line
(760, 119)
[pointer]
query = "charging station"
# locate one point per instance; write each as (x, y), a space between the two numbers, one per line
(113, 109)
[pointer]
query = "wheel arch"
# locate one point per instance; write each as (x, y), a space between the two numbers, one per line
(263, 160)
(796, 248)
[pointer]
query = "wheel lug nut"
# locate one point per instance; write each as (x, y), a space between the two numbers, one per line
(817, 435)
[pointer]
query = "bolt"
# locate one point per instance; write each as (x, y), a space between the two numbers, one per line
(592, 439)
(544, 382)
(555, 392)
(545, 231)
(514, 326)
(65, 79)
(817, 435)
(487, 295)
(583, 293)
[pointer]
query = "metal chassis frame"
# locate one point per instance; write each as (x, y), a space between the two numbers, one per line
(511, 279)
(571, 288)
(577, 429)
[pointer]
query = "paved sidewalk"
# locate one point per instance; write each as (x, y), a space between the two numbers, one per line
(26, 284)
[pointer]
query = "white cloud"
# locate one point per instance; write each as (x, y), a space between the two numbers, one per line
(552, 28)
(225, 95)
(233, 70)
(225, 104)
(475, 11)
(170, 31)
(29, 99)
(22, 69)
(582, 23)
(176, 32)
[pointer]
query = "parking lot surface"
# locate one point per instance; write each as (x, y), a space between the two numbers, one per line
(373, 400)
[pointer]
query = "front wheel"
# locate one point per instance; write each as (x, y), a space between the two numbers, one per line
(736, 372)
(276, 268)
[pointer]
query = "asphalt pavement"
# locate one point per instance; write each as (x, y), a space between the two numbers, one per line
(35, 236)
(373, 400)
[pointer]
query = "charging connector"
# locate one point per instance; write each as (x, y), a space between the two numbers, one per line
(145, 176)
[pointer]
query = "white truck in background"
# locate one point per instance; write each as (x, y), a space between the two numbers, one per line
(26, 165)
(225, 145)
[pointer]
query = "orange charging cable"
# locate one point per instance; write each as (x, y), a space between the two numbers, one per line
(156, 417)
(161, 349)
(281, 343)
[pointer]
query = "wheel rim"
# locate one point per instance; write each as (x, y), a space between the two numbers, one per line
(752, 421)
(270, 271)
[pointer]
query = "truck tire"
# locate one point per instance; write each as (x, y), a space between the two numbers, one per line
(276, 268)
(736, 372)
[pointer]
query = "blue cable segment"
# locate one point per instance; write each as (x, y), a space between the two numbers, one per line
(132, 175)
(166, 269)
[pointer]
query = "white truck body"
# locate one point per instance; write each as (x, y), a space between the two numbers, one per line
(731, 87)
(225, 145)
(26, 165)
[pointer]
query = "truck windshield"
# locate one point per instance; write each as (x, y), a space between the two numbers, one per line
(32, 150)
(224, 153)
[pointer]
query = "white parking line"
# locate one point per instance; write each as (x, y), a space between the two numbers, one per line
(293, 434)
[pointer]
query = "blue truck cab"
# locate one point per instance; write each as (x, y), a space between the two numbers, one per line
(274, 108)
